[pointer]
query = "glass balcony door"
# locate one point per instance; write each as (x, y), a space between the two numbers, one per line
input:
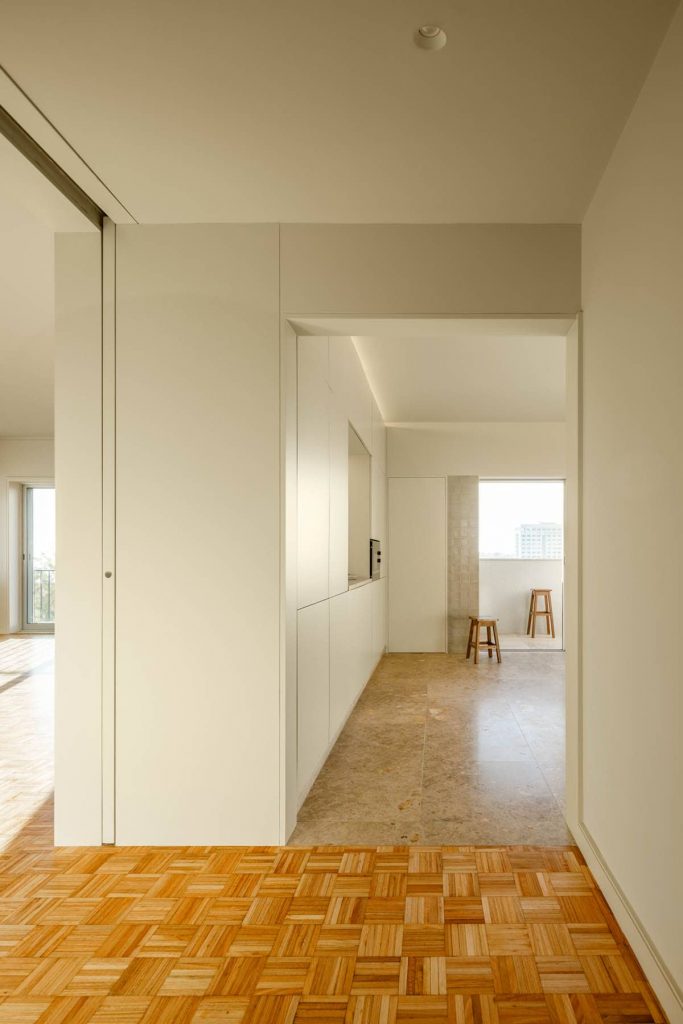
(39, 558)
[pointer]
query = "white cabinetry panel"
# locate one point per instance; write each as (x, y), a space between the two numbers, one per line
(313, 471)
(341, 661)
(313, 651)
(417, 570)
(349, 383)
(339, 497)
(379, 509)
(379, 620)
(361, 625)
(379, 438)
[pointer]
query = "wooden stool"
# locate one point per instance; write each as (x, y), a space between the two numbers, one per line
(535, 611)
(477, 623)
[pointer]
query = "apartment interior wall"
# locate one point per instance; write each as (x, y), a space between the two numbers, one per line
(418, 553)
(78, 484)
(21, 459)
(198, 534)
(477, 449)
(632, 712)
(341, 631)
(198, 313)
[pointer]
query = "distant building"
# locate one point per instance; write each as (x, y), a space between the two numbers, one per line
(539, 540)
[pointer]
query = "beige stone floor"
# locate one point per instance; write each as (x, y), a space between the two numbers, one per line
(440, 751)
(520, 642)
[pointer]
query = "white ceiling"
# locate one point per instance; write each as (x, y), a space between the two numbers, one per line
(473, 375)
(316, 110)
(31, 210)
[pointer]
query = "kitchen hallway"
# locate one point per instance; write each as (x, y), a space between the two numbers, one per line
(439, 751)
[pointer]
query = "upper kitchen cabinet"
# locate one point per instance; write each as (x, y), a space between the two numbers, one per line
(339, 496)
(350, 385)
(313, 471)
(379, 438)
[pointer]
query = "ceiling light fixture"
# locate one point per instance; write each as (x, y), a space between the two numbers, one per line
(430, 37)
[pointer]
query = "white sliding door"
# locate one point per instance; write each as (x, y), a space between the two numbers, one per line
(197, 534)
(417, 566)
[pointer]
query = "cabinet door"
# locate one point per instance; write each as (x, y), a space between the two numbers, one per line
(417, 567)
(313, 485)
(379, 620)
(361, 630)
(313, 651)
(339, 497)
(349, 383)
(341, 661)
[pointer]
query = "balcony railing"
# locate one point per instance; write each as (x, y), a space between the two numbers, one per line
(43, 605)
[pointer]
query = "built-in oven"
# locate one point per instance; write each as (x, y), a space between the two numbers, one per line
(375, 559)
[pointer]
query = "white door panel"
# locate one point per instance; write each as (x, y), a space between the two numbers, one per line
(417, 568)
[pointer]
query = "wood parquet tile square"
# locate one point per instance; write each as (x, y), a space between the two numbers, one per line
(319, 935)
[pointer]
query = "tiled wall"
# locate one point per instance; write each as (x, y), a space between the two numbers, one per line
(463, 558)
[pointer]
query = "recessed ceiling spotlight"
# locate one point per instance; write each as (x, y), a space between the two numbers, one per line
(430, 37)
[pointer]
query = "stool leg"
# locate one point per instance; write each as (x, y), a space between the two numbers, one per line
(476, 642)
(489, 641)
(469, 641)
(533, 619)
(531, 610)
(495, 636)
(549, 602)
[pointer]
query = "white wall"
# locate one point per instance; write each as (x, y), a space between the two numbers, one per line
(341, 632)
(477, 449)
(199, 325)
(430, 269)
(78, 483)
(21, 459)
(198, 534)
(504, 591)
(417, 577)
(632, 714)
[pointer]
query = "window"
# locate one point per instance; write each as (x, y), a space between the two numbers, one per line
(39, 557)
(521, 519)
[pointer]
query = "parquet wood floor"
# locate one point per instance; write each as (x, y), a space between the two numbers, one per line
(321, 935)
(294, 935)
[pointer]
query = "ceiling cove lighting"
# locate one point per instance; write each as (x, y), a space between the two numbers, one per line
(430, 37)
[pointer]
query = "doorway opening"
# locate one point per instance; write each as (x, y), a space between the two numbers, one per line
(521, 561)
(39, 205)
(400, 738)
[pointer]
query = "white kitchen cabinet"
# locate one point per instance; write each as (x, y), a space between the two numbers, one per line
(341, 661)
(313, 492)
(349, 383)
(361, 625)
(379, 438)
(379, 620)
(313, 652)
(379, 511)
(339, 497)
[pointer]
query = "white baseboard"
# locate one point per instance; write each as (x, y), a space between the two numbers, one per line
(657, 973)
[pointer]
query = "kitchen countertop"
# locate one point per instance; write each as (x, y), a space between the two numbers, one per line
(359, 583)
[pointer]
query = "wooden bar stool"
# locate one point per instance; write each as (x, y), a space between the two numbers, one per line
(474, 641)
(535, 611)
